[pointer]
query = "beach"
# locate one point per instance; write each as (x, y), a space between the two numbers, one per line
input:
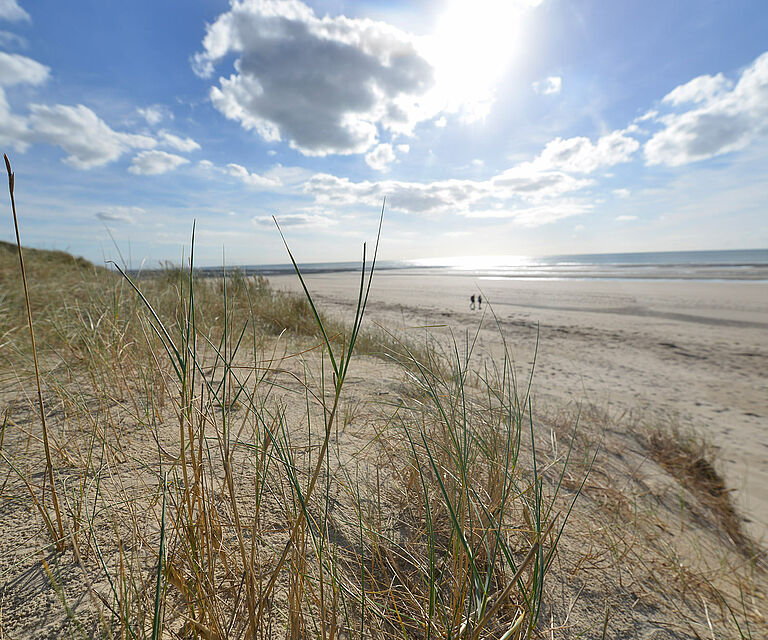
(229, 436)
(691, 353)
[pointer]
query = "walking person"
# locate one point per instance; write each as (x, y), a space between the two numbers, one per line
(480, 302)
(472, 302)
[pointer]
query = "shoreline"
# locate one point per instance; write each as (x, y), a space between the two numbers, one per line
(287, 270)
(740, 265)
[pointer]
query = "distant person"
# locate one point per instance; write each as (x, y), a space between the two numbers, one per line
(472, 302)
(480, 303)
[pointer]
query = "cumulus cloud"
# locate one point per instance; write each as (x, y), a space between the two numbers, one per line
(88, 140)
(724, 117)
(409, 197)
(698, 90)
(548, 86)
(324, 84)
(251, 179)
(175, 142)
(18, 69)
(626, 218)
(11, 11)
(529, 183)
(155, 114)
(14, 131)
(621, 193)
(120, 214)
(521, 188)
(381, 157)
(581, 155)
(150, 163)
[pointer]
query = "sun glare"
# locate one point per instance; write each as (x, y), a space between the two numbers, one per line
(472, 46)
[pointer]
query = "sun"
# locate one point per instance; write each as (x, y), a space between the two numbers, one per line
(472, 46)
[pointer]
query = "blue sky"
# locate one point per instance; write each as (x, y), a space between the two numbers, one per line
(521, 127)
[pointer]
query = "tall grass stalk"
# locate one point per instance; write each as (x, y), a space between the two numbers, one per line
(57, 533)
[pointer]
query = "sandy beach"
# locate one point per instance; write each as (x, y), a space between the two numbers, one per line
(236, 463)
(695, 352)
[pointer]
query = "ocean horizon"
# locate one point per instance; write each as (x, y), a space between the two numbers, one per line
(726, 265)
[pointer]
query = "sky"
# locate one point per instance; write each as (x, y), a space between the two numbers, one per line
(491, 127)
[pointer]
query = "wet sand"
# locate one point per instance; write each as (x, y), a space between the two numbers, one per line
(643, 351)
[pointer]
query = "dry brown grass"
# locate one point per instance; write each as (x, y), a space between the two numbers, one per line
(687, 457)
(228, 469)
(377, 552)
(199, 439)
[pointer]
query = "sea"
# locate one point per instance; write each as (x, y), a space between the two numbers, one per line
(749, 265)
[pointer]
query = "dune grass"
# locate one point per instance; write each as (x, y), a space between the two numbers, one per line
(689, 458)
(221, 472)
(250, 517)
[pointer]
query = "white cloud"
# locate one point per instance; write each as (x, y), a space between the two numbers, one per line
(534, 216)
(698, 90)
(404, 148)
(409, 197)
(251, 179)
(277, 177)
(621, 193)
(291, 177)
(18, 69)
(651, 114)
(381, 157)
(516, 188)
(441, 122)
(88, 140)
(725, 117)
(324, 84)
(120, 214)
(626, 218)
(548, 86)
(14, 131)
(10, 10)
(150, 163)
(9, 40)
(175, 142)
(531, 184)
(294, 220)
(580, 155)
(155, 114)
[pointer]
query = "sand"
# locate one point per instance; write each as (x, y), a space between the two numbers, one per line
(645, 351)
(641, 545)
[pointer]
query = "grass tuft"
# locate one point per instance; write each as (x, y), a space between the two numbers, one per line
(688, 457)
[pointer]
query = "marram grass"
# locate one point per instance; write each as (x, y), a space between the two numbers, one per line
(214, 478)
